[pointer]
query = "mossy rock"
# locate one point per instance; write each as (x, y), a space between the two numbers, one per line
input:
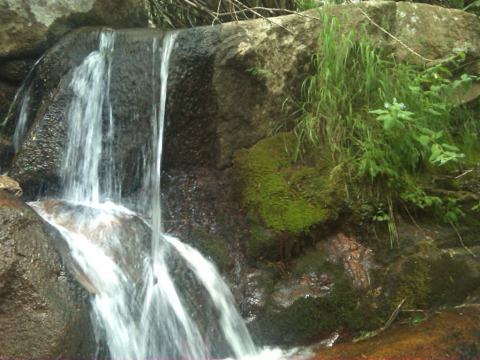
(434, 278)
(215, 248)
(309, 319)
(313, 316)
(287, 196)
(262, 242)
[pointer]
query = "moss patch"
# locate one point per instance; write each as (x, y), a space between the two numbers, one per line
(215, 248)
(452, 280)
(317, 261)
(262, 244)
(308, 319)
(287, 197)
(413, 284)
(437, 280)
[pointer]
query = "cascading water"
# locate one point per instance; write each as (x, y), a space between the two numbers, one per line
(138, 310)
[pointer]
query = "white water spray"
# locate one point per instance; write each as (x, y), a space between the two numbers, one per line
(137, 308)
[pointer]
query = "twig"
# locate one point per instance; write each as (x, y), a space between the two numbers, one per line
(389, 322)
(271, 10)
(261, 16)
(461, 240)
(411, 217)
(393, 316)
(381, 28)
(463, 174)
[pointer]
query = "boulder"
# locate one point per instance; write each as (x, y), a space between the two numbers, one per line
(27, 27)
(228, 84)
(11, 186)
(43, 311)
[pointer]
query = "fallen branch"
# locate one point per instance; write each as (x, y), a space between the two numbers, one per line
(389, 322)
(461, 240)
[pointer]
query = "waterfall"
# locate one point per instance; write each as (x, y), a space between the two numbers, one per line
(125, 261)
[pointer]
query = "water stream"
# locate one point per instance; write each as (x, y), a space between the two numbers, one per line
(138, 308)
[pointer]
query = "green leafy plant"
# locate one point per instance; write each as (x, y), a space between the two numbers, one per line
(303, 5)
(384, 122)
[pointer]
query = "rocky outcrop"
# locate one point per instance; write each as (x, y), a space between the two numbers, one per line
(227, 90)
(10, 186)
(43, 311)
(228, 84)
(28, 27)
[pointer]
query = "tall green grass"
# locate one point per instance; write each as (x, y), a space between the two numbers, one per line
(381, 122)
(389, 117)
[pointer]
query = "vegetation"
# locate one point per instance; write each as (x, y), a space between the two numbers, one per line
(186, 13)
(288, 197)
(383, 123)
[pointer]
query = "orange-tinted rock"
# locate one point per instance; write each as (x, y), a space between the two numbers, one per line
(355, 257)
(451, 334)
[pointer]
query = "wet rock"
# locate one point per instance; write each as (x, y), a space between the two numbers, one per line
(312, 285)
(133, 235)
(308, 301)
(7, 93)
(28, 27)
(6, 154)
(227, 85)
(356, 258)
(14, 71)
(43, 310)
(10, 186)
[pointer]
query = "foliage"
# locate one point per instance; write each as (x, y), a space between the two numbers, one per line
(187, 13)
(303, 5)
(384, 121)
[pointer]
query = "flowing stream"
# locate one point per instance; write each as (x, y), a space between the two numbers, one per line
(139, 310)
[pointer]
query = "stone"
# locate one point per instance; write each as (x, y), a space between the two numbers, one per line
(14, 71)
(44, 313)
(356, 258)
(28, 27)
(6, 154)
(228, 84)
(11, 186)
(7, 94)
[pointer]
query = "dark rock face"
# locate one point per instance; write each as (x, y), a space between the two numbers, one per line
(6, 154)
(27, 29)
(43, 311)
(37, 164)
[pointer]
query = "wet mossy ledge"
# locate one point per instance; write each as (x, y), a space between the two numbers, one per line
(335, 306)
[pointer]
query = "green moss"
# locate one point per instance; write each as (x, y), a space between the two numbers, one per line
(436, 281)
(214, 247)
(317, 261)
(452, 281)
(262, 244)
(310, 319)
(413, 284)
(287, 197)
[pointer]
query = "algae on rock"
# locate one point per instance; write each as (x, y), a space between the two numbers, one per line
(286, 195)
